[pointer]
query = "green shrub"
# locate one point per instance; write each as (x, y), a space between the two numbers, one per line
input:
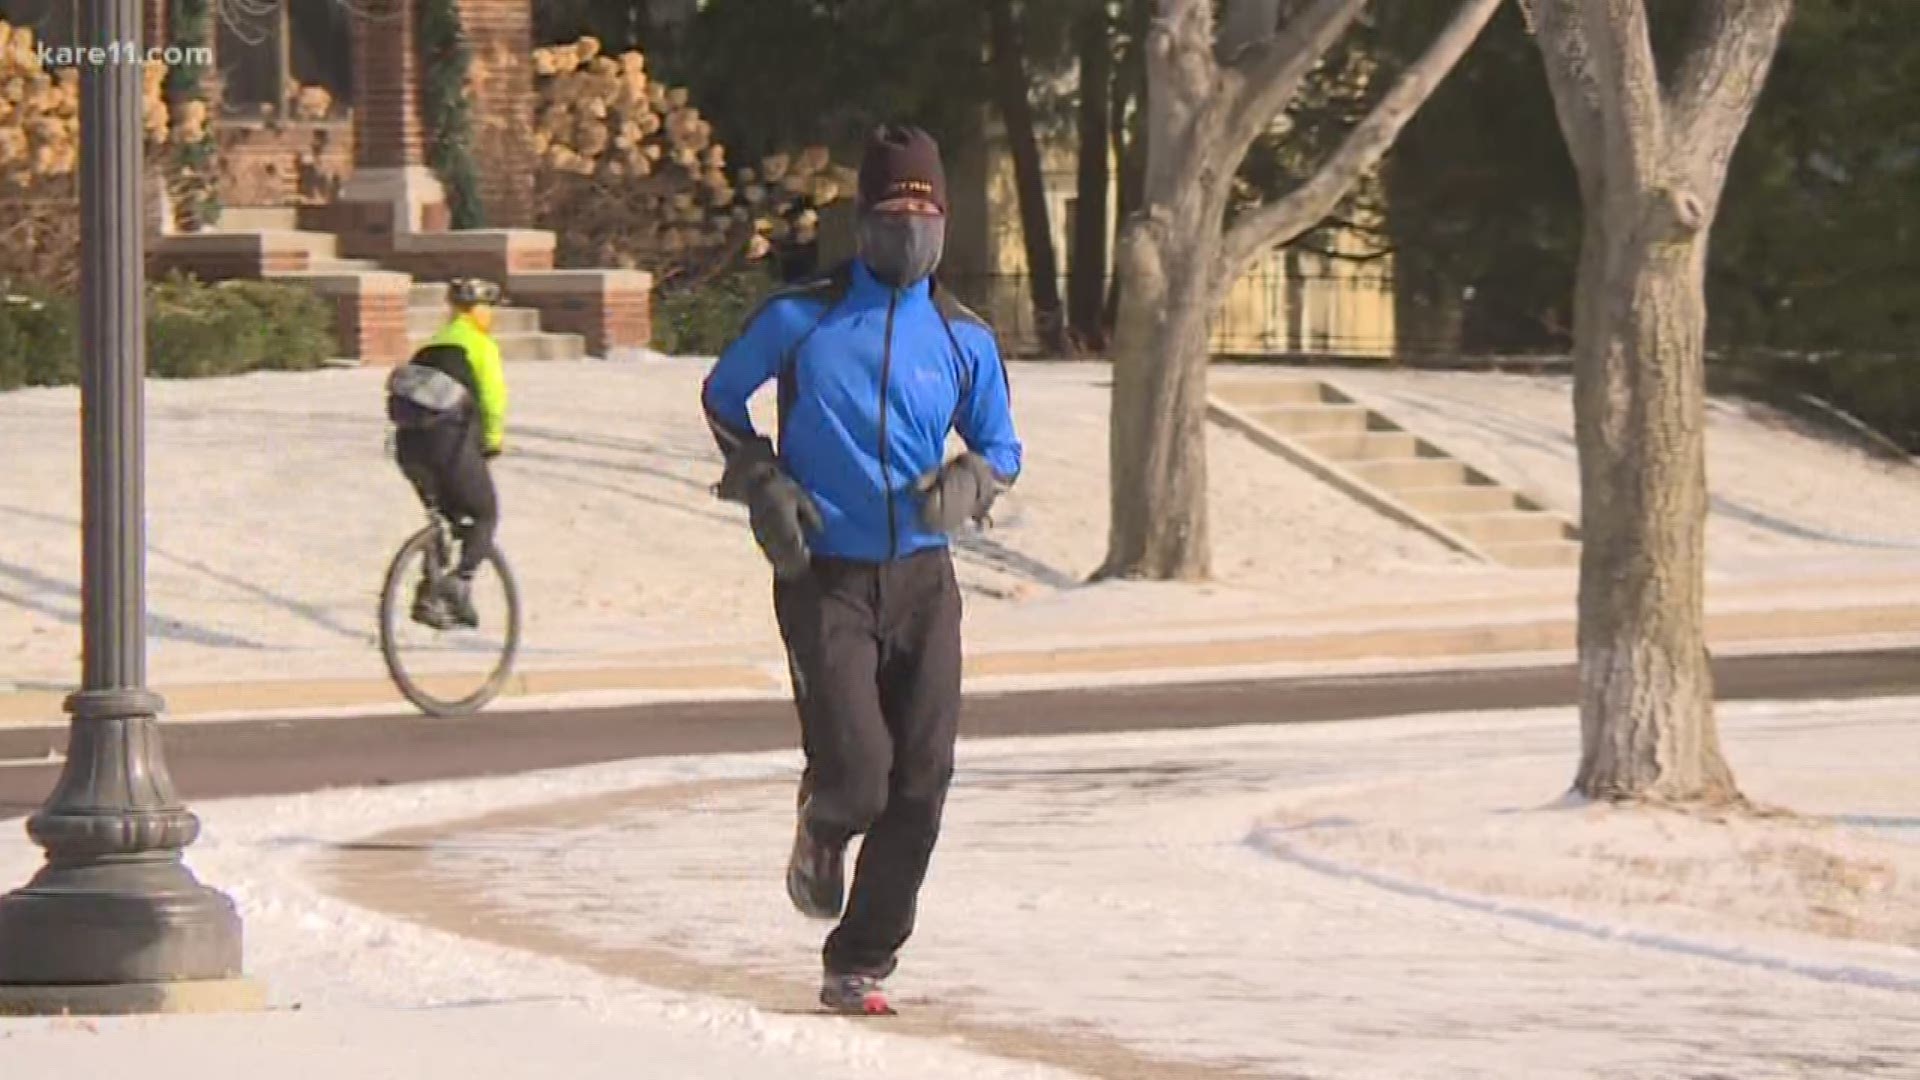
(37, 346)
(701, 321)
(194, 330)
(297, 324)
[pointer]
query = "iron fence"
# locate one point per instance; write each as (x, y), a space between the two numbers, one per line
(1265, 314)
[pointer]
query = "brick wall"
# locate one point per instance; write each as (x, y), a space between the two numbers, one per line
(283, 163)
(501, 36)
(386, 112)
(373, 326)
(447, 265)
(361, 230)
(224, 265)
(626, 321)
(153, 21)
(611, 309)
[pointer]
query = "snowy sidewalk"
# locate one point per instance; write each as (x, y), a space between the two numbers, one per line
(1174, 906)
(273, 511)
(1132, 646)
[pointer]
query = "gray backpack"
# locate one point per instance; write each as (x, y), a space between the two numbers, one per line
(420, 396)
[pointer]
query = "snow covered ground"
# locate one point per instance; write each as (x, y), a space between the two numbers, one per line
(273, 510)
(1777, 490)
(1401, 898)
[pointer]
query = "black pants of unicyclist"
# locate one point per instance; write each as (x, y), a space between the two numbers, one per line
(446, 467)
(875, 656)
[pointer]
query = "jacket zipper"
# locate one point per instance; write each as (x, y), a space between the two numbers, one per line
(886, 467)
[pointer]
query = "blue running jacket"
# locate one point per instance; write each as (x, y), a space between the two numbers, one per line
(872, 379)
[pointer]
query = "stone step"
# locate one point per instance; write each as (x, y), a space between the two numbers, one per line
(428, 294)
(1403, 473)
(1363, 445)
(1269, 393)
(517, 348)
(426, 321)
(258, 219)
(1460, 499)
(1311, 420)
(1511, 527)
(342, 266)
(1536, 556)
(434, 294)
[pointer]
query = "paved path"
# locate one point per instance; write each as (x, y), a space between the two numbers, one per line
(1100, 907)
(274, 757)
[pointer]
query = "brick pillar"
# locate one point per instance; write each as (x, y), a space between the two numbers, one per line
(611, 309)
(387, 129)
(500, 35)
(370, 321)
(153, 21)
(391, 191)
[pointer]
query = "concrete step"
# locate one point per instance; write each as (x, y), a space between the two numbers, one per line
(342, 266)
(1404, 473)
(1460, 499)
(427, 321)
(428, 294)
(1311, 420)
(434, 294)
(1536, 556)
(1363, 445)
(259, 219)
(1511, 527)
(516, 348)
(1269, 393)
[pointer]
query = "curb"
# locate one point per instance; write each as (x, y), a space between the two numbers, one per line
(1241, 652)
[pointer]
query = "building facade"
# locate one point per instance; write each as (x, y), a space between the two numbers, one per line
(323, 174)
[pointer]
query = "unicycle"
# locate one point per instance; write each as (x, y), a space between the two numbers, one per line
(454, 671)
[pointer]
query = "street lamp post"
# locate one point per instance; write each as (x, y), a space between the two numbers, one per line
(115, 922)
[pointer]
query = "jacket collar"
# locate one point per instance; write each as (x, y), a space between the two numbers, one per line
(867, 286)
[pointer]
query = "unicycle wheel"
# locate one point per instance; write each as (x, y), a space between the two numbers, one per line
(443, 668)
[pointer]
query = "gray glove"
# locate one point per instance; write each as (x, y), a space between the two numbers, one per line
(960, 491)
(780, 511)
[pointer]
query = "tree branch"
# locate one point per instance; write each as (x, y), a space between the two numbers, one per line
(1182, 76)
(1244, 23)
(1633, 114)
(1576, 95)
(1345, 256)
(1720, 81)
(1267, 73)
(1285, 219)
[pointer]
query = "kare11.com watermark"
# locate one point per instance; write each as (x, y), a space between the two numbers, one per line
(121, 52)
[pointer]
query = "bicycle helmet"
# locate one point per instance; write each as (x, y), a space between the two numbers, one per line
(472, 292)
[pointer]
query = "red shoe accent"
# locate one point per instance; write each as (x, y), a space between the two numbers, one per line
(875, 1004)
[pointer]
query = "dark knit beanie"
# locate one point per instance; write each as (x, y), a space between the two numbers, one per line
(902, 162)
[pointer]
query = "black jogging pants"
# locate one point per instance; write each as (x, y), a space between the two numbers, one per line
(448, 470)
(875, 655)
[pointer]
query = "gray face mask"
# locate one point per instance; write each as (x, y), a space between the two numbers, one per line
(902, 249)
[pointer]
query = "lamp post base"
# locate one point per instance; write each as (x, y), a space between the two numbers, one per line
(131, 999)
(115, 904)
(117, 923)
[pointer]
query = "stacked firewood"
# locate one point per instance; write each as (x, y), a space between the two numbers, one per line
(40, 156)
(40, 114)
(631, 174)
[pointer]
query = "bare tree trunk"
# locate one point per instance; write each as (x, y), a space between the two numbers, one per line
(1087, 267)
(1209, 97)
(1129, 132)
(1158, 482)
(1646, 709)
(1016, 113)
(1652, 164)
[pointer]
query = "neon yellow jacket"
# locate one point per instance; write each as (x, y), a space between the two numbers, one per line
(489, 375)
